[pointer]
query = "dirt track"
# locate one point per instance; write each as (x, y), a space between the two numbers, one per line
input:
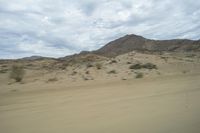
(159, 105)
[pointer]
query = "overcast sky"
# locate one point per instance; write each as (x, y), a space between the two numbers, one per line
(57, 28)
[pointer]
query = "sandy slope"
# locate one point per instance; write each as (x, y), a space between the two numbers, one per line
(165, 104)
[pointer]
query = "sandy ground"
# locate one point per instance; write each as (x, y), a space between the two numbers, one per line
(165, 100)
(167, 104)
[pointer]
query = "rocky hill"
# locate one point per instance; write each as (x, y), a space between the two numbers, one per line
(132, 42)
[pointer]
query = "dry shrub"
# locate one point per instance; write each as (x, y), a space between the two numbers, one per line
(89, 65)
(3, 70)
(87, 72)
(74, 73)
(112, 72)
(150, 66)
(17, 73)
(52, 79)
(139, 75)
(98, 66)
(113, 61)
(136, 66)
(141, 66)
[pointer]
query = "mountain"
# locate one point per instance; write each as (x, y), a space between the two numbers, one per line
(35, 58)
(132, 42)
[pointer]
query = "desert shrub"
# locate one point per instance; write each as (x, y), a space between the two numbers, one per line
(158, 73)
(52, 79)
(164, 58)
(124, 78)
(128, 62)
(189, 60)
(73, 73)
(112, 72)
(4, 66)
(87, 72)
(191, 55)
(63, 65)
(184, 71)
(136, 66)
(29, 65)
(3, 70)
(146, 66)
(87, 77)
(149, 66)
(17, 73)
(89, 65)
(139, 75)
(113, 61)
(98, 66)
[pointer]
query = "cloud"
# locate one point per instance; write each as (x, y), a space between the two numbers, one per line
(38, 27)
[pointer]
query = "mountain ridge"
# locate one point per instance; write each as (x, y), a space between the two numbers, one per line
(133, 42)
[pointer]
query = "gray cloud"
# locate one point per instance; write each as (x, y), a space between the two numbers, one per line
(62, 27)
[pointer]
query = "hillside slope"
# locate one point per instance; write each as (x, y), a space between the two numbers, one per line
(132, 42)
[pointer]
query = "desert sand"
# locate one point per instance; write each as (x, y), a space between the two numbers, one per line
(165, 100)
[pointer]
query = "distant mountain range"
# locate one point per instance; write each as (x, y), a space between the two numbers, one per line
(35, 58)
(133, 42)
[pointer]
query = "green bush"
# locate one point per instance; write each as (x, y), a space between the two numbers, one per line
(17, 73)
(145, 66)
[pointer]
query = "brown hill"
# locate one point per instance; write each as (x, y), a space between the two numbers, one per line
(132, 42)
